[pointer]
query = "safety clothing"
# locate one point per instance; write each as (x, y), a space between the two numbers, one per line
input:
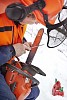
(5, 92)
(10, 32)
(6, 53)
(52, 8)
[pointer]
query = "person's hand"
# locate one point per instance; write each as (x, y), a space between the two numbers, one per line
(21, 48)
(29, 45)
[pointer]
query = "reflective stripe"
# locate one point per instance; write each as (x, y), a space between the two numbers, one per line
(5, 28)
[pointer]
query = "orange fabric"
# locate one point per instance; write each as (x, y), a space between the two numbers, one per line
(5, 3)
(6, 36)
(52, 8)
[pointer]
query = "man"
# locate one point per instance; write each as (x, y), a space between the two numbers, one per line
(11, 35)
(6, 53)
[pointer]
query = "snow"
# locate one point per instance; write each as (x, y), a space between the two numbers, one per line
(53, 61)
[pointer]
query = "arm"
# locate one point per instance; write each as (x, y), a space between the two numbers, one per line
(6, 53)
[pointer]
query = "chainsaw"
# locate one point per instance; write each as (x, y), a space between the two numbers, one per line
(20, 76)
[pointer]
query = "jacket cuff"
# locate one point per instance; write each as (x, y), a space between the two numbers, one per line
(12, 50)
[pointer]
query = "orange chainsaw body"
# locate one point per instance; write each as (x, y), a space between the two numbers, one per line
(19, 84)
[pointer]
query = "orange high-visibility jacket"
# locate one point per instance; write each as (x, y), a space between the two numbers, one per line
(10, 32)
(52, 8)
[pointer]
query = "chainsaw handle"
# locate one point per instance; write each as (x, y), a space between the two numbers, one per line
(35, 81)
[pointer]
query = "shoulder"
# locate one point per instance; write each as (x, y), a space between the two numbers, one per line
(5, 21)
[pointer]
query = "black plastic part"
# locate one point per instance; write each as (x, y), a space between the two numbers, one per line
(17, 11)
(13, 86)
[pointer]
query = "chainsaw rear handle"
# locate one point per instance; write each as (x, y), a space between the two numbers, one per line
(35, 81)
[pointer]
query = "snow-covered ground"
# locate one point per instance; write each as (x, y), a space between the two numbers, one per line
(53, 61)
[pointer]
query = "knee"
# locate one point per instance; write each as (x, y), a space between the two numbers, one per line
(34, 93)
